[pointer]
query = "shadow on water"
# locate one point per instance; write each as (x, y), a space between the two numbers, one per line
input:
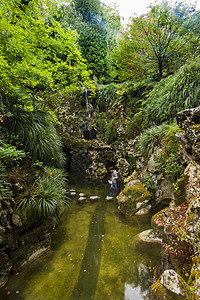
(95, 255)
(88, 276)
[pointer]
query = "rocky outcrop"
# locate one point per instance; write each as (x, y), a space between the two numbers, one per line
(179, 224)
(20, 245)
(171, 286)
(134, 199)
(189, 120)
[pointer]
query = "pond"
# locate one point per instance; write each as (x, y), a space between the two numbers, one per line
(96, 254)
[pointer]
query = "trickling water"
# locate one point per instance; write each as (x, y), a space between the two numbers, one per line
(95, 255)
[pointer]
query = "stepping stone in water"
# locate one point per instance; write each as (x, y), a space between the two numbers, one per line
(81, 195)
(109, 198)
(73, 194)
(81, 200)
(94, 198)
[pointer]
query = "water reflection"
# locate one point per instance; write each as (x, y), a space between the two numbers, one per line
(95, 255)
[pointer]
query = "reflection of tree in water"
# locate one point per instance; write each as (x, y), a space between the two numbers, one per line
(143, 277)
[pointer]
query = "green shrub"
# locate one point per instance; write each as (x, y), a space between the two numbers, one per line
(100, 123)
(45, 198)
(37, 135)
(134, 126)
(173, 94)
(9, 154)
(111, 132)
(169, 160)
(151, 137)
(107, 95)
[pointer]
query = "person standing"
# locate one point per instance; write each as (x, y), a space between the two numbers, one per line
(113, 181)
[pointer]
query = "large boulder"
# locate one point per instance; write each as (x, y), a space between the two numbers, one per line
(134, 198)
(171, 286)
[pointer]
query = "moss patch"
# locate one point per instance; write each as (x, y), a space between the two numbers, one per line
(131, 195)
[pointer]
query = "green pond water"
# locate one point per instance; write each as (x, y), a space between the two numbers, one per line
(96, 254)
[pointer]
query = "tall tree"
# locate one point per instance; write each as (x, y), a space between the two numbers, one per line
(158, 41)
(37, 57)
(94, 24)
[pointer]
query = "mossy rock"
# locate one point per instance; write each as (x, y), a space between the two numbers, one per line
(160, 292)
(132, 194)
(179, 194)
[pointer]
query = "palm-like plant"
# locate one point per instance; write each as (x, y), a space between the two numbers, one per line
(37, 135)
(45, 199)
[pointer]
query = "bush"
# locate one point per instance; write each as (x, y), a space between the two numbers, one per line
(151, 137)
(107, 95)
(45, 198)
(173, 94)
(37, 135)
(100, 123)
(111, 132)
(134, 126)
(169, 160)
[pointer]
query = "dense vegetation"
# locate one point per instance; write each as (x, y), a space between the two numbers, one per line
(51, 51)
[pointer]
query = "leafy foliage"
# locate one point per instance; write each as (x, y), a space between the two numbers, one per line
(36, 55)
(100, 123)
(111, 132)
(173, 94)
(37, 134)
(169, 160)
(107, 95)
(158, 43)
(97, 26)
(150, 137)
(45, 198)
